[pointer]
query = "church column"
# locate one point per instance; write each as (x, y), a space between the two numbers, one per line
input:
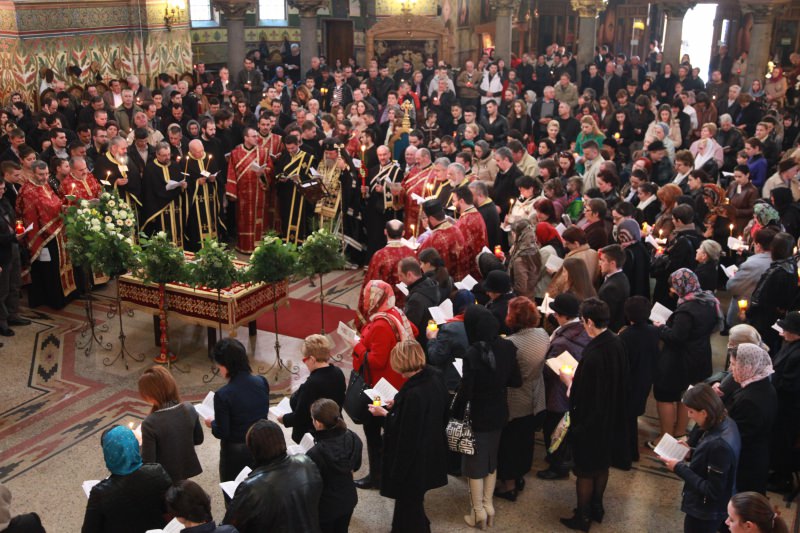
(587, 29)
(672, 41)
(760, 39)
(308, 30)
(504, 12)
(234, 11)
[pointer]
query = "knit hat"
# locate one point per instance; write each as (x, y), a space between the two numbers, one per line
(566, 304)
(497, 281)
(791, 323)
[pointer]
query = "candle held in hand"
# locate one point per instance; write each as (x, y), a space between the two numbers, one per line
(730, 227)
(742, 304)
(567, 370)
(377, 401)
(432, 326)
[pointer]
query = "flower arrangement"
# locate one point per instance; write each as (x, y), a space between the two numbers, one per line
(272, 261)
(160, 261)
(321, 253)
(100, 233)
(213, 266)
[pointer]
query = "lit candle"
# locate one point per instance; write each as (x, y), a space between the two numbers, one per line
(616, 136)
(510, 204)
(661, 234)
(377, 401)
(567, 370)
(646, 228)
(730, 227)
(130, 425)
(19, 229)
(742, 304)
(498, 252)
(412, 230)
(432, 325)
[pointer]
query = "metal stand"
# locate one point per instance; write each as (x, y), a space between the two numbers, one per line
(123, 350)
(165, 357)
(88, 334)
(279, 363)
(208, 378)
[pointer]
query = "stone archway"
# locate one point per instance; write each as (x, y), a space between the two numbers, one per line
(409, 36)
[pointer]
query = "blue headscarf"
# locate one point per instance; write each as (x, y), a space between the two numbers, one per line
(121, 451)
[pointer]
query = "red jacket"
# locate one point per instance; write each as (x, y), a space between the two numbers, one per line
(378, 338)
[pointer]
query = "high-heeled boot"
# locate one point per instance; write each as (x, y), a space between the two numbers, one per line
(477, 516)
(373, 479)
(489, 483)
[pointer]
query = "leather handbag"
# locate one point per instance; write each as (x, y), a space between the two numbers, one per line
(356, 403)
(460, 437)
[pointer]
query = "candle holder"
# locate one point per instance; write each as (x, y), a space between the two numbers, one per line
(123, 352)
(91, 333)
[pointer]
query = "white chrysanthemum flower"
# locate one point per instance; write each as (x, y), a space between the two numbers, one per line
(129, 223)
(119, 222)
(110, 227)
(108, 219)
(123, 215)
(112, 203)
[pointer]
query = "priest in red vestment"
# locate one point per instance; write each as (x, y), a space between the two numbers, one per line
(249, 172)
(383, 266)
(272, 143)
(471, 225)
(53, 280)
(420, 185)
(80, 183)
(446, 239)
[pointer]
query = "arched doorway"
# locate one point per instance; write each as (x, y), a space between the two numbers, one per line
(409, 37)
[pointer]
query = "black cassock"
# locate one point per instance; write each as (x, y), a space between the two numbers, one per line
(109, 170)
(162, 209)
(203, 205)
(293, 205)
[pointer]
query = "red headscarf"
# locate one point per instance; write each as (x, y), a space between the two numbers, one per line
(545, 233)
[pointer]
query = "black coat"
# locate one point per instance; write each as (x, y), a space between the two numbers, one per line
(686, 353)
(772, 297)
(598, 406)
(707, 275)
(754, 408)
(642, 346)
(128, 504)
(596, 234)
(505, 188)
(614, 291)
(326, 382)
(414, 441)
(637, 269)
(499, 308)
(492, 220)
(337, 454)
(422, 294)
(281, 496)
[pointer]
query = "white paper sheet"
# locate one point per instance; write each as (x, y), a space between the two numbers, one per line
(347, 333)
(560, 228)
(206, 409)
(467, 283)
(417, 198)
(306, 443)
(669, 448)
(485, 250)
(564, 359)
(652, 242)
(382, 388)
(44, 256)
(729, 270)
(411, 243)
(356, 163)
(283, 408)
(172, 184)
(735, 244)
(229, 487)
(459, 364)
(553, 263)
(777, 328)
(402, 287)
(659, 313)
(442, 312)
(88, 485)
(173, 527)
(545, 307)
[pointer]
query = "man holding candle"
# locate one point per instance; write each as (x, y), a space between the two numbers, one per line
(115, 168)
(420, 183)
(471, 225)
(293, 164)
(380, 202)
(249, 176)
(163, 208)
(202, 220)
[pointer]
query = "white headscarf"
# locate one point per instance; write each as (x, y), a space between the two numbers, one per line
(752, 364)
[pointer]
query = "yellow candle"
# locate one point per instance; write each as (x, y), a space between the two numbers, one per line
(660, 233)
(567, 370)
(616, 136)
(412, 229)
(432, 326)
(742, 304)
(730, 226)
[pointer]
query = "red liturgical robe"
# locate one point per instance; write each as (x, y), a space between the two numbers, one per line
(448, 241)
(249, 189)
(87, 189)
(473, 228)
(383, 266)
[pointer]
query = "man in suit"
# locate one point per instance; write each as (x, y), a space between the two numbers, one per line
(616, 287)
(10, 279)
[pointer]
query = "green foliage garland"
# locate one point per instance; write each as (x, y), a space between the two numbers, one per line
(272, 261)
(321, 253)
(160, 261)
(213, 266)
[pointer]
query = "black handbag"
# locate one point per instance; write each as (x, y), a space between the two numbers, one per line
(356, 403)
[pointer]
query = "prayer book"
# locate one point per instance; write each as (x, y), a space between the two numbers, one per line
(173, 527)
(172, 184)
(206, 409)
(659, 313)
(306, 443)
(402, 287)
(442, 312)
(736, 244)
(207, 174)
(485, 250)
(283, 408)
(652, 242)
(560, 228)
(88, 485)
(347, 333)
(545, 307)
(729, 270)
(256, 167)
(105, 183)
(382, 389)
(777, 328)
(563, 360)
(467, 283)
(417, 198)
(356, 163)
(459, 364)
(553, 263)
(229, 487)
(669, 448)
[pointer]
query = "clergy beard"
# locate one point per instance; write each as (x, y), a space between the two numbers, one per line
(123, 159)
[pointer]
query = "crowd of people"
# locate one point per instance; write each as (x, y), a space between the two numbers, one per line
(596, 214)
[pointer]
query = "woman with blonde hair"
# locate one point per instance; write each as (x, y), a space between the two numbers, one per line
(575, 279)
(589, 132)
(324, 381)
(414, 444)
(172, 429)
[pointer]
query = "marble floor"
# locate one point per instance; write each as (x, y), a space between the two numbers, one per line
(57, 397)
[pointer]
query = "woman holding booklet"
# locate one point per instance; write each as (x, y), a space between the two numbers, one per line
(710, 473)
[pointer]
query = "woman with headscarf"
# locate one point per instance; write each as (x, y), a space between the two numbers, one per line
(526, 403)
(753, 408)
(386, 326)
(717, 220)
(490, 367)
(131, 499)
(686, 354)
(763, 215)
(775, 89)
(637, 261)
(525, 264)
